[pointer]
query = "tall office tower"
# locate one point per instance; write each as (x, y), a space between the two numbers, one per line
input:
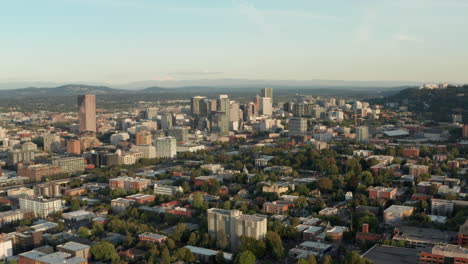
(248, 111)
(151, 112)
(167, 121)
(52, 142)
(265, 106)
(209, 106)
(220, 123)
(179, 133)
(74, 147)
(268, 92)
(205, 108)
(288, 106)
(257, 104)
(362, 134)
(195, 105)
(203, 124)
(297, 126)
(166, 147)
(235, 225)
(87, 112)
(224, 104)
(143, 138)
(234, 111)
(234, 115)
(341, 102)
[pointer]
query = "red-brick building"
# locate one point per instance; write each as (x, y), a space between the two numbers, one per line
(180, 211)
(410, 152)
(382, 193)
(140, 198)
(38, 171)
(129, 183)
(365, 235)
(151, 237)
(74, 147)
(277, 207)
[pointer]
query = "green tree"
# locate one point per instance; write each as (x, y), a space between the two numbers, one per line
(165, 257)
(98, 229)
(355, 258)
(301, 261)
(185, 254)
(75, 205)
(84, 232)
(257, 247)
(104, 251)
(197, 202)
(274, 244)
(325, 184)
(193, 239)
(246, 257)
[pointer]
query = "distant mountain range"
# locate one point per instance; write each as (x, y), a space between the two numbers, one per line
(242, 87)
(226, 83)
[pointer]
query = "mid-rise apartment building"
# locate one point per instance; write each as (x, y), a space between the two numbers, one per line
(166, 147)
(167, 190)
(234, 225)
(49, 189)
(69, 164)
(40, 207)
(37, 172)
(129, 183)
(380, 192)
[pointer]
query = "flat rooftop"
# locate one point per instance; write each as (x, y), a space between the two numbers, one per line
(392, 255)
(424, 235)
(74, 246)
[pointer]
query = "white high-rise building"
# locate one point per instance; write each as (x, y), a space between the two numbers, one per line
(166, 147)
(362, 134)
(266, 107)
(268, 92)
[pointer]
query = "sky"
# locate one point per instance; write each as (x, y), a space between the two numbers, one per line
(120, 41)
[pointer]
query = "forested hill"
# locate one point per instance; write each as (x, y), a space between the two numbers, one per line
(436, 104)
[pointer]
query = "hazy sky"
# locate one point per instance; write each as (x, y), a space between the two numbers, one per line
(118, 41)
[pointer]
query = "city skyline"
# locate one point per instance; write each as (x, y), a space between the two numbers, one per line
(125, 41)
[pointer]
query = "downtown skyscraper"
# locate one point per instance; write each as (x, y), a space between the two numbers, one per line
(87, 112)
